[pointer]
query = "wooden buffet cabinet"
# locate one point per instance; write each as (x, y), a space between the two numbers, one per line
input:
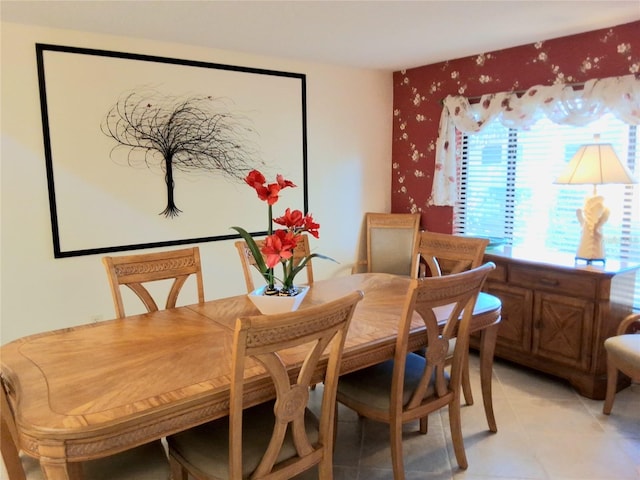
(556, 314)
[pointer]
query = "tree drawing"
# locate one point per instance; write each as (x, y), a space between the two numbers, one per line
(178, 134)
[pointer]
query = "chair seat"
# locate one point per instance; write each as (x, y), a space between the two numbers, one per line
(371, 385)
(626, 348)
(147, 462)
(206, 447)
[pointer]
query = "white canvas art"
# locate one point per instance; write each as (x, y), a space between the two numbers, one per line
(147, 151)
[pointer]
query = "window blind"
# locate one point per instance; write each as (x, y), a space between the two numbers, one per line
(507, 190)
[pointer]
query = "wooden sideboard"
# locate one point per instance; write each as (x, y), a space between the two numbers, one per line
(556, 314)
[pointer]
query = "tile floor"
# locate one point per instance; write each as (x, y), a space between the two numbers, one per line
(546, 431)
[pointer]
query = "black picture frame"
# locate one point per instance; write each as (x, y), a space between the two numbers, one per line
(104, 199)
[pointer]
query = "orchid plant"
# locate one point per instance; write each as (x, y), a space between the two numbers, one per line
(280, 244)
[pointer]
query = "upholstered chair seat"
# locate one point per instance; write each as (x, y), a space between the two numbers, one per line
(626, 348)
(371, 385)
(207, 446)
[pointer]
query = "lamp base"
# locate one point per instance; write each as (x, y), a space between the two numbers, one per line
(592, 217)
(590, 261)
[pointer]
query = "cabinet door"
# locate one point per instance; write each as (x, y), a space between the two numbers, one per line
(563, 329)
(515, 328)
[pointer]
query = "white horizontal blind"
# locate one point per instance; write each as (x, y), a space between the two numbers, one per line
(507, 188)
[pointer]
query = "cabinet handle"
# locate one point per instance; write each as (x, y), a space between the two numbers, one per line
(549, 282)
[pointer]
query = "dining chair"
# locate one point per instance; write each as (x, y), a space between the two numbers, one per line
(137, 271)
(282, 438)
(301, 251)
(444, 254)
(147, 462)
(411, 386)
(389, 243)
(623, 354)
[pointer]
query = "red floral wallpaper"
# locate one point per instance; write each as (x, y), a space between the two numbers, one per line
(417, 93)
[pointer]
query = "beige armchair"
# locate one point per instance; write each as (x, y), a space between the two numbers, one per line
(623, 354)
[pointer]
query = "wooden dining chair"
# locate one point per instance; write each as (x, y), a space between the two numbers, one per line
(390, 239)
(278, 439)
(147, 462)
(412, 386)
(301, 251)
(444, 254)
(623, 354)
(136, 271)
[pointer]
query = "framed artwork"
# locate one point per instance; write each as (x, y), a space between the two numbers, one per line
(145, 151)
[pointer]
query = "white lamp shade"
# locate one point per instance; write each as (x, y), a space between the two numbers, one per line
(596, 164)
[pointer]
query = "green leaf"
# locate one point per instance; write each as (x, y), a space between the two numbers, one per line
(304, 261)
(255, 251)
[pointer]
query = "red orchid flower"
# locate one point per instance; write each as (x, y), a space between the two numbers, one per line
(311, 226)
(255, 179)
(291, 219)
(278, 247)
(284, 183)
(268, 193)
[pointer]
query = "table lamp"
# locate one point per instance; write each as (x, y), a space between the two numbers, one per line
(596, 164)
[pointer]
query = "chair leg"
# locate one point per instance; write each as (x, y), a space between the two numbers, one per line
(612, 384)
(325, 467)
(335, 425)
(455, 424)
(424, 424)
(488, 338)
(466, 381)
(397, 461)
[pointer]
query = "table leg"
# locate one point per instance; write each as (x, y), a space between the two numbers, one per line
(54, 469)
(488, 338)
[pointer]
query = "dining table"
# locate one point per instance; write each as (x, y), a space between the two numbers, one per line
(93, 390)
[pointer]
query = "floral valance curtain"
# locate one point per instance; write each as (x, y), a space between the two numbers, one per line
(560, 103)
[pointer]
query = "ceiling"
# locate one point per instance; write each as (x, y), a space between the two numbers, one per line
(388, 35)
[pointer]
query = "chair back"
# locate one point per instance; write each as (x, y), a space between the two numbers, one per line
(390, 241)
(136, 270)
(445, 254)
(445, 305)
(305, 334)
(301, 251)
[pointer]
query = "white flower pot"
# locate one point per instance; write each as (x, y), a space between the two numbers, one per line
(270, 304)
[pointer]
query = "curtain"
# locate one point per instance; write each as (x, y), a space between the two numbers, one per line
(560, 103)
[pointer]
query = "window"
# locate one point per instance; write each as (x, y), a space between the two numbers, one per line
(507, 191)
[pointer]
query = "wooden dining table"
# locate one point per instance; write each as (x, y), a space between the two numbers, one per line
(93, 390)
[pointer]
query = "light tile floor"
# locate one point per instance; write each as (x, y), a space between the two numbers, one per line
(546, 431)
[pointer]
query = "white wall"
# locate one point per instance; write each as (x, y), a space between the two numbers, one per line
(349, 152)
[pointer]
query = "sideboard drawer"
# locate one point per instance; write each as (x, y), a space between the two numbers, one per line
(553, 280)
